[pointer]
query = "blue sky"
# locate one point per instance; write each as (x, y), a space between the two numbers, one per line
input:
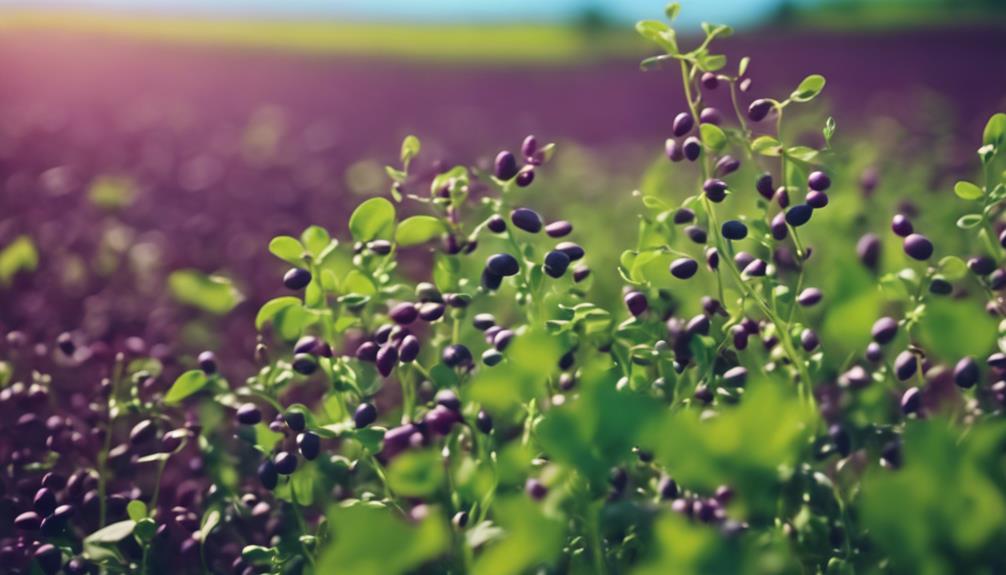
(734, 11)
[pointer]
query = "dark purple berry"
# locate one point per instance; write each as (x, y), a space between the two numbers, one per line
(142, 432)
(529, 147)
(457, 355)
(911, 401)
(757, 268)
(556, 263)
(809, 340)
(535, 489)
(558, 229)
(684, 216)
(901, 225)
(683, 123)
(868, 250)
(490, 280)
(726, 166)
(49, 558)
(692, 148)
(884, 330)
(817, 200)
(734, 230)
(905, 365)
(809, 297)
(483, 321)
(496, 224)
(66, 344)
(636, 303)
(208, 362)
(304, 363)
(364, 415)
(818, 181)
(404, 313)
(387, 357)
(295, 420)
(710, 116)
(710, 81)
(580, 273)
(759, 109)
(940, 286)
(673, 150)
(735, 376)
(296, 279)
(408, 349)
(525, 177)
(367, 351)
(966, 372)
(483, 422)
(285, 462)
(267, 475)
(716, 190)
(505, 166)
(440, 420)
(502, 339)
(249, 414)
(527, 220)
(696, 234)
(982, 265)
(491, 357)
(765, 187)
(448, 399)
(504, 265)
(799, 215)
(684, 268)
(712, 258)
(572, 250)
(309, 444)
(918, 247)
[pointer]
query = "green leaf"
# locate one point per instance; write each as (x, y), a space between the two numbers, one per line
(266, 438)
(136, 510)
(710, 63)
(145, 529)
(801, 153)
(20, 255)
(418, 229)
(968, 221)
(367, 540)
(808, 89)
(995, 131)
(209, 523)
(967, 191)
(271, 308)
(373, 219)
(766, 146)
(672, 10)
(410, 148)
(187, 383)
(658, 33)
(713, 137)
(288, 249)
(919, 524)
(315, 239)
(953, 268)
(212, 293)
(531, 538)
(954, 328)
(829, 130)
(742, 67)
(736, 447)
(416, 473)
(110, 192)
(96, 544)
(533, 359)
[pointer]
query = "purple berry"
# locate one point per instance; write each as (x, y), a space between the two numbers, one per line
(457, 356)
(684, 268)
(673, 150)
(496, 224)
(734, 230)
(884, 330)
(809, 297)
(911, 401)
(966, 372)
(404, 313)
(905, 365)
(364, 415)
(558, 229)
(818, 181)
(710, 81)
(816, 199)
(249, 414)
(716, 190)
(636, 303)
(799, 215)
(759, 109)
(525, 177)
(573, 251)
(527, 220)
(868, 250)
(556, 263)
(901, 225)
(764, 186)
(408, 349)
(504, 265)
(296, 279)
(918, 247)
(692, 148)
(505, 166)
(710, 116)
(683, 123)
(386, 359)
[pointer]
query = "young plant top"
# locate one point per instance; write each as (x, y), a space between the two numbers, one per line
(736, 412)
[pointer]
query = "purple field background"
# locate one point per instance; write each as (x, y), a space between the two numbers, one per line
(172, 116)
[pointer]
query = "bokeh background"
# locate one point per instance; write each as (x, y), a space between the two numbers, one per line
(142, 138)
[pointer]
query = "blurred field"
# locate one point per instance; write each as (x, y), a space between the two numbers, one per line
(223, 145)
